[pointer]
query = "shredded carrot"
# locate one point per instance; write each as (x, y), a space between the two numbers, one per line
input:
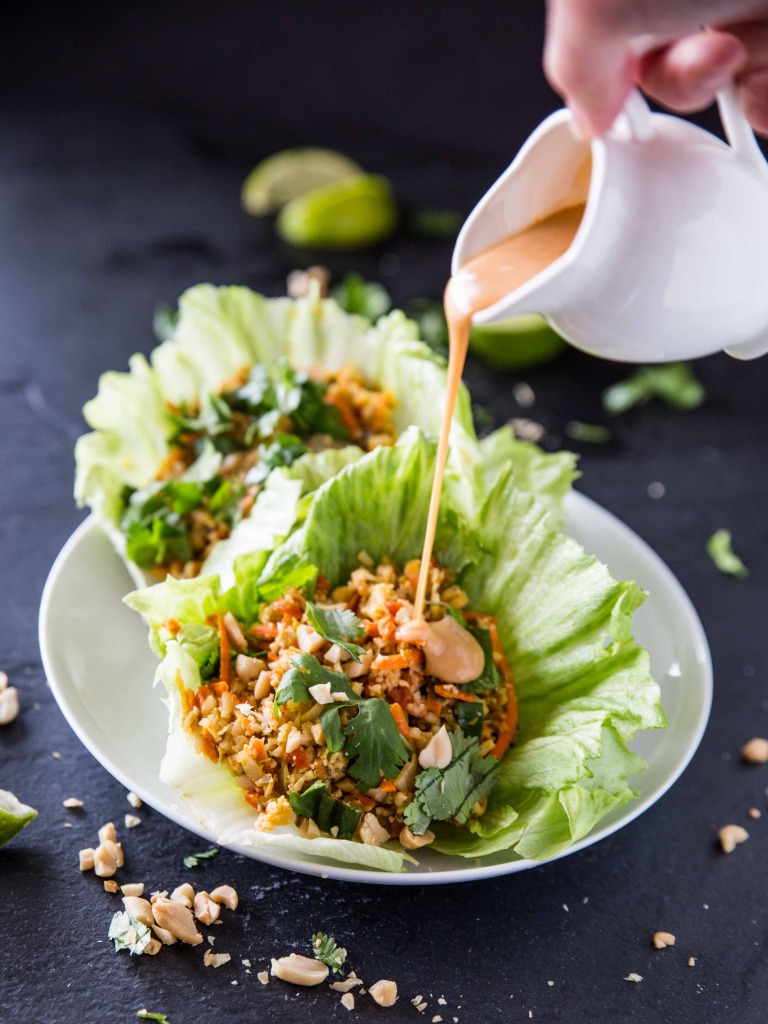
(371, 628)
(393, 607)
(454, 693)
(258, 750)
(363, 800)
(400, 720)
(225, 659)
(209, 747)
(219, 688)
(388, 786)
(397, 662)
(287, 608)
(300, 759)
(264, 630)
(510, 725)
(433, 705)
(348, 416)
(252, 797)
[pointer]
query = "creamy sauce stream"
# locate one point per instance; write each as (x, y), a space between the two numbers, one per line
(480, 283)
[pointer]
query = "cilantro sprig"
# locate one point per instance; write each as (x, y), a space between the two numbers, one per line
(326, 949)
(307, 671)
(374, 744)
(146, 1015)
(193, 859)
(326, 812)
(451, 793)
(128, 933)
(338, 626)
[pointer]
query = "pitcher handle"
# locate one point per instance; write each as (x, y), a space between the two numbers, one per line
(738, 130)
(634, 121)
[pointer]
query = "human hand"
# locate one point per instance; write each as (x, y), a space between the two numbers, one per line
(596, 50)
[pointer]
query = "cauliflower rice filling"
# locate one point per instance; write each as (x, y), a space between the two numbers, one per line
(274, 755)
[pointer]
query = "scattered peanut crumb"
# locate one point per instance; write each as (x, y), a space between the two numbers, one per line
(383, 992)
(691, 961)
(56, 755)
(211, 939)
(753, 812)
(633, 977)
(110, 885)
(441, 1001)
(72, 802)
(756, 751)
(211, 959)
(235, 982)
(349, 983)
(416, 1000)
(550, 983)
(133, 800)
(158, 894)
(263, 977)
(436, 1019)
(9, 705)
(132, 820)
(86, 860)
(731, 836)
(422, 1007)
(348, 1001)
(663, 939)
(246, 963)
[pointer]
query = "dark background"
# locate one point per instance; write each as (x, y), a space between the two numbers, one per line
(125, 133)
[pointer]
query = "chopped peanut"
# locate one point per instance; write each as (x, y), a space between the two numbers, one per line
(133, 889)
(177, 920)
(132, 820)
(663, 939)
(225, 894)
(72, 802)
(383, 992)
(110, 885)
(300, 970)
(731, 836)
(86, 860)
(133, 800)
(183, 894)
(108, 831)
(756, 751)
(211, 959)
(206, 909)
(9, 705)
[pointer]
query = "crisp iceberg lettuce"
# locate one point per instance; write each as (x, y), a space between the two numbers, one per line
(584, 686)
(220, 332)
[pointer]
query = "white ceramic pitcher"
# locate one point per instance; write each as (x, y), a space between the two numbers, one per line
(670, 260)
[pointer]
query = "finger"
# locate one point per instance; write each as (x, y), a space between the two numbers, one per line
(753, 96)
(686, 74)
(590, 64)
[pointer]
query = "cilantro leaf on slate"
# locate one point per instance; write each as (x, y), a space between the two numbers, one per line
(326, 949)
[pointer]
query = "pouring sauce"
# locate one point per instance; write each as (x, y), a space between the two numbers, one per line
(480, 283)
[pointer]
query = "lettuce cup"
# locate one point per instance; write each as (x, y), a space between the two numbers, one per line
(305, 714)
(183, 445)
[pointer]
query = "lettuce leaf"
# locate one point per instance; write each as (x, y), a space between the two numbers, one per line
(584, 686)
(221, 331)
(548, 475)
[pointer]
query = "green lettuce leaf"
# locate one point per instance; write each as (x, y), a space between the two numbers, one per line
(584, 686)
(548, 475)
(219, 332)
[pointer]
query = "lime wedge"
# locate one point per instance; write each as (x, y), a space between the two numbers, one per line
(289, 174)
(14, 815)
(515, 344)
(349, 214)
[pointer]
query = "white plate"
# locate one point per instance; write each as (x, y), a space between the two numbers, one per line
(100, 670)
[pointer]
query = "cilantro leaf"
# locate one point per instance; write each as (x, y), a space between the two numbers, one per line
(470, 716)
(306, 803)
(374, 744)
(720, 550)
(292, 573)
(675, 384)
(146, 1015)
(490, 678)
(366, 298)
(164, 321)
(339, 627)
(451, 793)
(283, 451)
(307, 671)
(326, 949)
(128, 933)
(192, 859)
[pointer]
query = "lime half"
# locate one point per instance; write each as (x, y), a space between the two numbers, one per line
(516, 344)
(14, 815)
(349, 214)
(289, 174)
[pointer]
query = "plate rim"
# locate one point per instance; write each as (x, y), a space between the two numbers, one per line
(472, 872)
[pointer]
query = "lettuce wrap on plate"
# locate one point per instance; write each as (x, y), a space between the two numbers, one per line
(183, 446)
(302, 719)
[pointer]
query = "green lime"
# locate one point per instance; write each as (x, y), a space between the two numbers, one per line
(285, 176)
(349, 214)
(516, 344)
(14, 815)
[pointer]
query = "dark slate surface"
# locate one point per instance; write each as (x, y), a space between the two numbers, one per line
(108, 206)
